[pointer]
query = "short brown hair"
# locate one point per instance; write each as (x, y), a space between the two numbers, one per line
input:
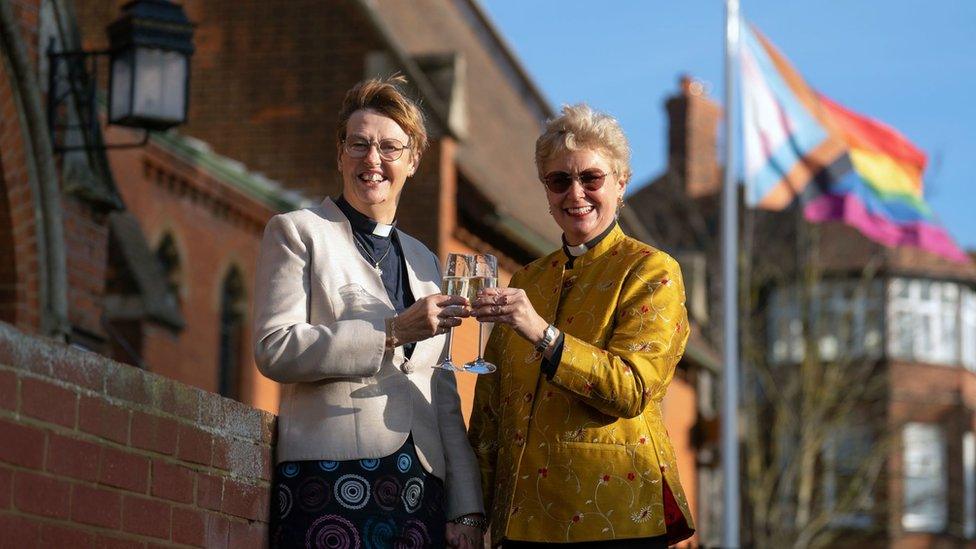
(386, 98)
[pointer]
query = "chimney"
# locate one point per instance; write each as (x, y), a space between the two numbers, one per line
(693, 138)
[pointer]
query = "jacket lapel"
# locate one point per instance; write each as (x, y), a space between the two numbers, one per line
(369, 277)
(424, 278)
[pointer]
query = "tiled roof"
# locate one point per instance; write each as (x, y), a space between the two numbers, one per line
(506, 112)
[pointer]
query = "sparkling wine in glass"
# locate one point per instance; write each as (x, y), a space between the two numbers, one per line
(456, 281)
(484, 275)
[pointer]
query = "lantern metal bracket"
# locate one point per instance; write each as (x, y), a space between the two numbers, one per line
(80, 84)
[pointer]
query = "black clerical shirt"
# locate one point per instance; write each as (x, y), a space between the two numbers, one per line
(380, 246)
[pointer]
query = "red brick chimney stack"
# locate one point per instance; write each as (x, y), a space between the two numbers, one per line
(693, 138)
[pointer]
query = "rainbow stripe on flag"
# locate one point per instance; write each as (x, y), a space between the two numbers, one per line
(842, 165)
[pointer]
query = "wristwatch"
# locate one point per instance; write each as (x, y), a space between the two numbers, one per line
(547, 338)
(391, 341)
(479, 523)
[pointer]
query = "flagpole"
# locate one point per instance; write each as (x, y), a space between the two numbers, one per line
(730, 355)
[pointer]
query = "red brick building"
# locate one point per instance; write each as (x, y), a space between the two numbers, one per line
(98, 453)
(270, 103)
(147, 255)
(899, 324)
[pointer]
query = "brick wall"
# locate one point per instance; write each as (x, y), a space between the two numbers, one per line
(100, 454)
(85, 229)
(8, 271)
(419, 212)
(86, 249)
(216, 228)
(267, 80)
(19, 281)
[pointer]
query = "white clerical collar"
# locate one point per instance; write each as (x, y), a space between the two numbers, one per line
(577, 251)
(382, 229)
(362, 223)
(580, 249)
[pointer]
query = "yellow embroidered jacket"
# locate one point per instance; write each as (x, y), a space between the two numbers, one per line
(585, 456)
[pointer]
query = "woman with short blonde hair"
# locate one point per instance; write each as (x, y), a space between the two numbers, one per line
(569, 432)
(579, 127)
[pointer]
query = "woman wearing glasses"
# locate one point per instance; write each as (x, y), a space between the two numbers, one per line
(569, 432)
(371, 447)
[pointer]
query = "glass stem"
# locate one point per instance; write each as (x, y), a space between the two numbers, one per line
(481, 326)
(450, 345)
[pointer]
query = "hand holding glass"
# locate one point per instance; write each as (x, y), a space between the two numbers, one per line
(457, 274)
(485, 275)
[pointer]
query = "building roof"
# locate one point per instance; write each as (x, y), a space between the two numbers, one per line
(255, 185)
(506, 111)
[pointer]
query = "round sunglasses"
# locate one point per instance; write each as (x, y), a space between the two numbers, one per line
(560, 182)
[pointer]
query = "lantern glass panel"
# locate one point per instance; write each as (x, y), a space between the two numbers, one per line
(160, 85)
(121, 106)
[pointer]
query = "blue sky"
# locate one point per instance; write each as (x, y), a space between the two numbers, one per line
(908, 63)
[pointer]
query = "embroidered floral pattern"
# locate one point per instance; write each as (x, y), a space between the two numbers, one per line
(642, 515)
(586, 456)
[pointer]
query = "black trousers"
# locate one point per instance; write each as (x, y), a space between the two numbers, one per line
(657, 542)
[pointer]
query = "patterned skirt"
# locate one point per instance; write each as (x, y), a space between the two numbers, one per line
(390, 502)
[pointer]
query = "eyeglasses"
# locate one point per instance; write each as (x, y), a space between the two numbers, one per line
(390, 149)
(560, 182)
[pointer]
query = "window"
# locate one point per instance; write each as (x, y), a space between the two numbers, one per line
(847, 459)
(924, 318)
(785, 327)
(924, 504)
(968, 327)
(969, 484)
(709, 522)
(169, 259)
(848, 321)
(706, 394)
(232, 308)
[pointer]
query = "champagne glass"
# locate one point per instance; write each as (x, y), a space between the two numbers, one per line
(456, 281)
(485, 275)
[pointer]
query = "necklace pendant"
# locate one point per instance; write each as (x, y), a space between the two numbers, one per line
(378, 269)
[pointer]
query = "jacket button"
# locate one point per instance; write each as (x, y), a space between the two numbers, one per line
(407, 367)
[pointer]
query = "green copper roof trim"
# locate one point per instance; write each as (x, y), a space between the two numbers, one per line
(258, 186)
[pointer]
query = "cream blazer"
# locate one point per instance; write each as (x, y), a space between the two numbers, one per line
(319, 313)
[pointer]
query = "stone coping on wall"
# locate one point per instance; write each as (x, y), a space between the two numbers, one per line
(94, 452)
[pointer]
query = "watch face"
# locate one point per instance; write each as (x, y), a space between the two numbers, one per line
(547, 338)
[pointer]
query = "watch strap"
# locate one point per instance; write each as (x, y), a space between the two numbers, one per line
(479, 523)
(547, 337)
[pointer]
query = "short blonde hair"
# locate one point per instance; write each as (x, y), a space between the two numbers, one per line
(386, 98)
(580, 127)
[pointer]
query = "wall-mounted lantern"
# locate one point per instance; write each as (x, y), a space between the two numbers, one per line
(150, 46)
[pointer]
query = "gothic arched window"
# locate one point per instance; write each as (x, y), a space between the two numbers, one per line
(169, 259)
(232, 308)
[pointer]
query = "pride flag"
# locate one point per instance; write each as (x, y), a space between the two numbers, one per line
(843, 166)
